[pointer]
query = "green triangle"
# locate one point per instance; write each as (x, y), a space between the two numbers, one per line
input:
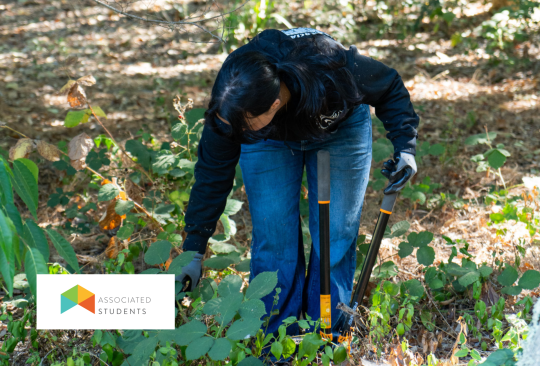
(72, 294)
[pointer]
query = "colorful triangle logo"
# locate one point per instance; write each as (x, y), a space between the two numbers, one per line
(77, 295)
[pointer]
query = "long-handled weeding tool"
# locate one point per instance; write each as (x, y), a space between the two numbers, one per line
(348, 314)
(323, 183)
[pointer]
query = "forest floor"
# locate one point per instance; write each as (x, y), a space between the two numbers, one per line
(140, 69)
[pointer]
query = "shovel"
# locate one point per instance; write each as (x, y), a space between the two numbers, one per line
(345, 321)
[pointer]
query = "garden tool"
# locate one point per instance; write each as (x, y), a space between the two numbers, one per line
(323, 185)
(345, 321)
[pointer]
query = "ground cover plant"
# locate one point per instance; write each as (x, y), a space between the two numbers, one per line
(96, 170)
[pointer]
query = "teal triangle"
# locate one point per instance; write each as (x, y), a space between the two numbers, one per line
(66, 304)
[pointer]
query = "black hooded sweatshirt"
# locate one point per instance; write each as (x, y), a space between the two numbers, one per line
(380, 85)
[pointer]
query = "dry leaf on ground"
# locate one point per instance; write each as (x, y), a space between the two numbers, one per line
(78, 164)
(22, 149)
(80, 146)
(48, 151)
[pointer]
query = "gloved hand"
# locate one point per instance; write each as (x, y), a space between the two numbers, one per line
(191, 273)
(399, 171)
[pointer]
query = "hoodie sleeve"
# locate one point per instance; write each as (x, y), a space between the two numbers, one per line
(214, 177)
(383, 89)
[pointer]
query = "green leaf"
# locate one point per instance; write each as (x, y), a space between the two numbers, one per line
(223, 248)
(232, 207)
(180, 261)
(481, 138)
(252, 309)
(35, 237)
(456, 270)
(230, 285)
(508, 276)
(14, 216)
(501, 357)
(158, 252)
(340, 355)
(64, 248)
(220, 350)
(125, 232)
(7, 255)
(390, 288)
(250, 361)
(412, 287)
(485, 271)
(220, 262)
(425, 317)
(530, 280)
(189, 332)
(400, 228)
(420, 239)
(496, 159)
(139, 151)
(511, 290)
(198, 349)
(244, 266)
(381, 149)
(26, 186)
(123, 207)
(475, 355)
(425, 256)
(178, 131)
(289, 347)
(226, 307)
(469, 278)
(73, 118)
(436, 149)
(385, 270)
(98, 111)
(34, 264)
(262, 285)
(400, 329)
(243, 328)
(108, 192)
(5, 183)
(462, 352)
(405, 249)
(276, 349)
(31, 166)
(164, 160)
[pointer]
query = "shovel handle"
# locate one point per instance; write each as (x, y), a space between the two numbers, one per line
(323, 195)
(386, 210)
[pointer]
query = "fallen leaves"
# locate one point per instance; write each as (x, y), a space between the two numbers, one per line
(22, 149)
(76, 96)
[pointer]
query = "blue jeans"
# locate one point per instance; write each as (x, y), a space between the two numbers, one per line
(273, 176)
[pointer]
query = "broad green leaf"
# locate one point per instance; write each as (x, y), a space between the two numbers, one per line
(425, 256)
(475, 355)
(31, 166)
(340, 355)
(226, 307)
(35, 237)
(400, 329)
(262, 285)
(412, 287)
(243, 328)
(189, 332)
(198, 349)
(276, 350)
(164, 160)
(252, 309)
(64, 248)
(125, 231)
(158, 252)
(289, 347)
(139, 151)
(419, 197)
(381, 149)
(181, 261)
(232, 207)
(390, 288)
(508, 276)
(425, 317)
(206, 291)
(34, 264)
(73, 118)
(178, 131)
(250, 361)
(26, 186)
(469, 278)
(123, 207)
(456, 270)
(511, 290)
(220, 350)
(14, 216)
(5, 183)
(496, 159)
(385, 270)
(220, 262)
(7, 255)
(98, 111)
(244, 266)
(462, 352)
(485, 271)
(436, 149)
(400, 228)
(420, 239)
(480, 138)
(530, 280)
(405, 249)
(230, 285)
(223, 248)
(108, 192)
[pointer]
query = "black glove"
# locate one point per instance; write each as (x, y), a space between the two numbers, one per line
(399, 171)
(191, 273)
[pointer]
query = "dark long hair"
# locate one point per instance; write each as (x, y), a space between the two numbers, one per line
(315, 73)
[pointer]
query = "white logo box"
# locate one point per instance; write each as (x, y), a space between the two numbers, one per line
(141, 301)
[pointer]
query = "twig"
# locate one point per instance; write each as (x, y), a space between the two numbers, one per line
(6, 126)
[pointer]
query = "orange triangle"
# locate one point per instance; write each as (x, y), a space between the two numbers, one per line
(89, 304)
(83, 294)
